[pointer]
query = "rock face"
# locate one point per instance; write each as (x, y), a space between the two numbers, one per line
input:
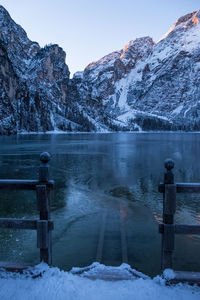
(144, 86)
(148, 86)
(36, 93)
(103, 82)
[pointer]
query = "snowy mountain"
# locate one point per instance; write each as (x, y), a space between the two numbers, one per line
(36, 93)
(144, 86)
(147, 85)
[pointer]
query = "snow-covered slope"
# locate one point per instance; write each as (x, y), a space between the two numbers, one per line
(103, 82)
(169, 83)
(147, 85)
(144, 86)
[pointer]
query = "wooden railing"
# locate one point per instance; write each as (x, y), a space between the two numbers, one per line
(168, 229)
(43, 225)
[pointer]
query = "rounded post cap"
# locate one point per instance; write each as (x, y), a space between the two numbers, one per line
(45, 157)
(169, 164)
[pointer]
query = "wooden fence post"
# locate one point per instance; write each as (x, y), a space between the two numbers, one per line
(169, 208)
(44, 239)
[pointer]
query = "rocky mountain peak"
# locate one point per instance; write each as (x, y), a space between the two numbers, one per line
(119, 63)
(34, 83)
(184, 24)
(190, 19)
(29, 61)
(138, 48)
(133, 50)
(19, 48)
(10, 31)
(4, 12)
(48, 65)
(104, 61)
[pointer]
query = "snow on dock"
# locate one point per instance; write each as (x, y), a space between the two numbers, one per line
(44, 283)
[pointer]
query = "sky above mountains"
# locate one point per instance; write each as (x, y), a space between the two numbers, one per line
(89, 29)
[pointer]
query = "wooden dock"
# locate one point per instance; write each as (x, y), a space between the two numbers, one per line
(44, 225)
(122, 232)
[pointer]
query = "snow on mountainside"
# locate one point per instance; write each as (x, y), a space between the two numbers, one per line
(169, 85)
(160, 88)
(144, 86)
(98, 88)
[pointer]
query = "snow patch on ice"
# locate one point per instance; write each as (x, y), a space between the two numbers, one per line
(100, 271)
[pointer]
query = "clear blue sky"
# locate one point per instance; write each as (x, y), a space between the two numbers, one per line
(89, 29)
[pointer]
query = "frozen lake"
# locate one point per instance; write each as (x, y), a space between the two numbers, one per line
(103, 181)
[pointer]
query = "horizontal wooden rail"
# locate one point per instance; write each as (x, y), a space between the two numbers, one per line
(182, 188)
(22, 224)
(180, 228)
(185, 276)
(23, 184)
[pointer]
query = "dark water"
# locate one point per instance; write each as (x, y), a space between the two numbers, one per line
(102, 181)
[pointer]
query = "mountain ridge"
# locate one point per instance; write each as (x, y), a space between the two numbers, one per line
(144, 86)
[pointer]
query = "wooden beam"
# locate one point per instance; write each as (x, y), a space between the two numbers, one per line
(169, 207)
(188, 188)
(182, 188)
(184, 276)
(18, 223)
(22, 184)
(168, 232)
(169, 201)
(187, 229)
(42, 235)
(42, 201)
(22, 224)
(182, 228)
